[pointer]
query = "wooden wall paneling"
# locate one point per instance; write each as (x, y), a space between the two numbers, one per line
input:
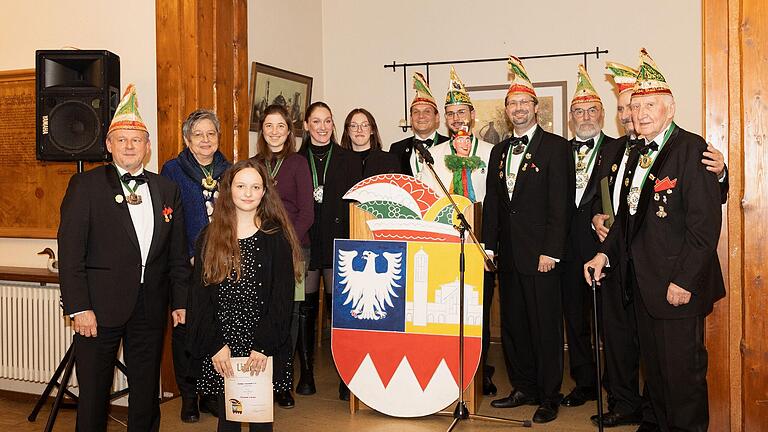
(754, 51)
(715, 39)
(223, 72)
(168, 20)
(241, 101)
(197, 67)
(206, 56)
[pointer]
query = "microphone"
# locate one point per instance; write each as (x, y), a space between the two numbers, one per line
(423, 152)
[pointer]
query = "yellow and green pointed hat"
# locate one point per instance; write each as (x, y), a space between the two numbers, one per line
(127, 114)
(623, 76)
(520, 81)
(649, 79)
(423, 93)
(585, 90)
(457, 93)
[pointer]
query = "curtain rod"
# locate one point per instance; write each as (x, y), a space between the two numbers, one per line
(394, 65)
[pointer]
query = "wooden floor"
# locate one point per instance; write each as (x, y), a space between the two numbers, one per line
(324, 412)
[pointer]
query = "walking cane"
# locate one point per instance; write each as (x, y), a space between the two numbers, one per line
(598, 362)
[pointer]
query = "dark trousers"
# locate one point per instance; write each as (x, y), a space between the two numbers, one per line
(621, 349)
(489, 282)
(181, 359)
(675, 364)
(282, 374)
(532, 332)
(95, 362)
(577, 312)
(234, 426)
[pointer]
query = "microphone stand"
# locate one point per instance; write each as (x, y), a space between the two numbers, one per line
(461, 412)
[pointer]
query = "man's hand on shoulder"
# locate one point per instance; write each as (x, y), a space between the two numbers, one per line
(714, 160)
(84, 323)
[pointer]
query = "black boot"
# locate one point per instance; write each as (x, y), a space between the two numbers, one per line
(343, 391)
(306, 344)
(189, 410)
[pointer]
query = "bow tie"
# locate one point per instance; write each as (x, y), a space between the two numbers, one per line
(590, 143)
(427, 142)
(519, 140)
(644, 148)
(139, 179)
(635, 143)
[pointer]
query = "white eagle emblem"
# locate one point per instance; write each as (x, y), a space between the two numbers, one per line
(368, 291)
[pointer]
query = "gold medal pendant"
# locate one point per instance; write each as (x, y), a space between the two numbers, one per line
(133, 199)
(661, 213)
(209, 183)
(645, 161)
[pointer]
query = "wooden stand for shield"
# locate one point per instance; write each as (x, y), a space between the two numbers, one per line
(358, 230)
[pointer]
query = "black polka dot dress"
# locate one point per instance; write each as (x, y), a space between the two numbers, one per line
(241, 307)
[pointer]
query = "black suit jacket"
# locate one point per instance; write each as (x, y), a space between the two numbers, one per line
(344, 171)
(611, 155)
(380, 162)
(677, 243)
(582, 242)
(403, 150)
(99, 256)
(535, 221)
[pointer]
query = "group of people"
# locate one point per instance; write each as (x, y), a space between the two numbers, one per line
(238, 252)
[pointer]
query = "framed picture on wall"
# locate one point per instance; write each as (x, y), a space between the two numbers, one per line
(271, 85)
(491, 122)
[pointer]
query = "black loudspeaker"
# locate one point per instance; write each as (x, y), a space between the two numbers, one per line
(77, 95)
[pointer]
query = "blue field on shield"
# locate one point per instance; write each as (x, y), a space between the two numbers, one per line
(369, 279)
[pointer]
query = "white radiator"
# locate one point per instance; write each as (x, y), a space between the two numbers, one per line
(34, 336)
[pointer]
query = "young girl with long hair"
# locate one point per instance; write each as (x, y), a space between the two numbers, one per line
(247, 263)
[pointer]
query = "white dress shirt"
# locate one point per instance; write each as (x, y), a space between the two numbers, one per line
(142, 216)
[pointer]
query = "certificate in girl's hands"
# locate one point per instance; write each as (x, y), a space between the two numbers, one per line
(248, 398)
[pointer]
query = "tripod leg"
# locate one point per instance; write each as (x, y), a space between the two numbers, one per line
(60, 394)
(49, 388)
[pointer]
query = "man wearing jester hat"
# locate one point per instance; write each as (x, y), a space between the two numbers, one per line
(460, 116)
(527, 209)
(586, 119)
(123, 261)
(663, 248)
(424, 123)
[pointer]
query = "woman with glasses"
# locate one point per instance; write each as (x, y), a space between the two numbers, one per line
(361, 135)
(334, 171)
(197, 170)
(290, 173)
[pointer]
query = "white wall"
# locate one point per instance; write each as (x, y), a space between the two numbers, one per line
(359, 38)
(287, 34)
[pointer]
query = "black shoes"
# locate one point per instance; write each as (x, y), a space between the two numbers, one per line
(612, 419)
(306, 384)
(189, 411)
(489, 388)
(579, 396)
(343, 391)
(210, 405)
(515, 399)
(284, 399)
(648, 427)
(546, 412)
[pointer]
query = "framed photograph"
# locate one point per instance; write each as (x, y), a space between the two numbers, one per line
(271, 85)
(491, 122)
